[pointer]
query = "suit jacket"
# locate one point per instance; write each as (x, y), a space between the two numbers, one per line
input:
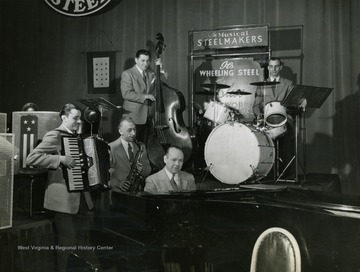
(120, 165)
(133, 90)
(47, 155)
(272, 93)
(160, 182)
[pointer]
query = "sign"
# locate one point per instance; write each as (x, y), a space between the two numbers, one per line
(236, 37)
(81, 7)
(237, 73)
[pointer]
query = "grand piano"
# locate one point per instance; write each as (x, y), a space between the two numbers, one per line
(220, 227)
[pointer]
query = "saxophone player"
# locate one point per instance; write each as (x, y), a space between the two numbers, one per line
(123, 152)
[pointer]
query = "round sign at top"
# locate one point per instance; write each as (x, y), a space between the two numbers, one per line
(78, 8)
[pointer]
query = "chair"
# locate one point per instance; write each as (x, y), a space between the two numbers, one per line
(276, 250)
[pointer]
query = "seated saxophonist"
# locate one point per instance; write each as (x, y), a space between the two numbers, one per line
(129, 163)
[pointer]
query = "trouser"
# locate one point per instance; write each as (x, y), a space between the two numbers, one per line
(73, 237)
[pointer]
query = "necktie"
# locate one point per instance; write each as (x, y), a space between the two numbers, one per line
(130, 152)
(173, 183)
(144, 77)
(273, 88)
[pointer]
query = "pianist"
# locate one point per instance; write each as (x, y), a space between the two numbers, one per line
(171, 178)
(72, 211)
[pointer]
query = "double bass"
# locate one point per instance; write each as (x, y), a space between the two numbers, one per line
(166, 126)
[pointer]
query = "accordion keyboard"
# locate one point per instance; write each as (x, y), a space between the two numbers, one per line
(75, 175)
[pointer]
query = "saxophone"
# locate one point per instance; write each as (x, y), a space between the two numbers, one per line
(135, 177)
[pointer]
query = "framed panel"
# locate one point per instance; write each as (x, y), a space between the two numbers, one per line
(101, 72)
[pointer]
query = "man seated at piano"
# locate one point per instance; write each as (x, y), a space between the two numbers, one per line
(171, 178)
(125, 158)
(72, 210)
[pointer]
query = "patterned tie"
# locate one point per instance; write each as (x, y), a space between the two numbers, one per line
(131, 153)
(173, 183)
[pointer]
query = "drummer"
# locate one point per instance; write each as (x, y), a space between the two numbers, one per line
(275, 92)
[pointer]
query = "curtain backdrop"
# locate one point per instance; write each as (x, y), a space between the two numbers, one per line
(42, 59)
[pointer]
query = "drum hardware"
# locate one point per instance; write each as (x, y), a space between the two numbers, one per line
(286, 167)
(206, 170)
(232, 117)
(255, 173)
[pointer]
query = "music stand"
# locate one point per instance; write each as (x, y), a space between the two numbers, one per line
(95, 102)
(99, 103)
(301, 97)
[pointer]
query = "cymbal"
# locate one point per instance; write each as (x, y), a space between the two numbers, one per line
(264, 83)
(206, 93)
(215, 85)
(239, 92)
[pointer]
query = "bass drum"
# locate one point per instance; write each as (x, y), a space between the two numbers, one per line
(235, 152)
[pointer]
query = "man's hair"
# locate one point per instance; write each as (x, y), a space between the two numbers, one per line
(29, 105)
(66, 109)
(127, 119)
(275, 59)
(175, 147)
(142, 52)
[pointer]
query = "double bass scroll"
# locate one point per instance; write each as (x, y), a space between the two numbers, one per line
(167, 126)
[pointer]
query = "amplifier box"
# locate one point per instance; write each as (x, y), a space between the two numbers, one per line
(6, 179)
(3, 122)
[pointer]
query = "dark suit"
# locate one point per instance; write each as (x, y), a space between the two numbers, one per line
(160, 183)
(133, 90)
(120, 165)
(272, 93)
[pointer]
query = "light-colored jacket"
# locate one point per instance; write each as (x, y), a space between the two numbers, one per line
(133, 90)
(160, 183)
(47, 155)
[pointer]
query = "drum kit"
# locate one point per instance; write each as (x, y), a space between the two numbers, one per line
(237, 151)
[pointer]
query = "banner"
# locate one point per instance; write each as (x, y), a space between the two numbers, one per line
(226, 38)
(237, 73)
(101, 72)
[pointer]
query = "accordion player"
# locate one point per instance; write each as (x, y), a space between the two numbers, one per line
(92, 158)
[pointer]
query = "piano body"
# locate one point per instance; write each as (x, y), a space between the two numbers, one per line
(225, 224)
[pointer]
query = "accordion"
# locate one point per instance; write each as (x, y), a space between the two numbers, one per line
(92, 159)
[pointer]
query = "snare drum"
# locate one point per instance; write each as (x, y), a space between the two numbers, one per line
(275, 114)
(217, 112)
(276, 132)
(235, 152)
